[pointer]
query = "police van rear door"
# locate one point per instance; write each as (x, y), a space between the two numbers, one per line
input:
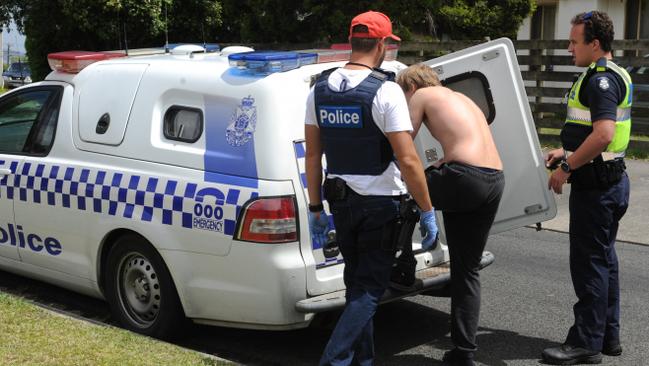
(489, 74)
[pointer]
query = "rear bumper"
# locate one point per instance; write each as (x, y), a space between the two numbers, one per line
(432, 278)
(254, 287)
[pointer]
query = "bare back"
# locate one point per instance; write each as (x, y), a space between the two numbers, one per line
(458, 124)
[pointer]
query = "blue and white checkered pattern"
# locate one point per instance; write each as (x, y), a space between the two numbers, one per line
(131, 196)
(321, 260)
(6, 192)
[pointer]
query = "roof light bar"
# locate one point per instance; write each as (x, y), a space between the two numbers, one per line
(267, 62)
(72, 62)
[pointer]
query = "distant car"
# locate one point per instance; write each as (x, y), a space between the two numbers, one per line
(18, 74)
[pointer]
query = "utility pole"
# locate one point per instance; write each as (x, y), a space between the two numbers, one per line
(2, 82)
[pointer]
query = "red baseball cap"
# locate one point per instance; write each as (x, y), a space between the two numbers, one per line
(378, 25)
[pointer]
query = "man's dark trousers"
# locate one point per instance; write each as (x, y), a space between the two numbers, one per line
(364, 229)
(468, 197)
(594, 222)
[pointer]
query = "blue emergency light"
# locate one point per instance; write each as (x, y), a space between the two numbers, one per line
(308, 58)
(268, 62)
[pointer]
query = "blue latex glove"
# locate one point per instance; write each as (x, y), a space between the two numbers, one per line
(319, 226)
(428, 227)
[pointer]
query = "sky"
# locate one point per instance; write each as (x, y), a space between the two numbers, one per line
(13, 38)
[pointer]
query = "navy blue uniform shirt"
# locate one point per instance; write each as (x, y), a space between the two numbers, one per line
(602, 93)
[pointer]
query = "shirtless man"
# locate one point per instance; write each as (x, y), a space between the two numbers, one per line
(466, 185)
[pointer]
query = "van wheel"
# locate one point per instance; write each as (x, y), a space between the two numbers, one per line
(140, 291)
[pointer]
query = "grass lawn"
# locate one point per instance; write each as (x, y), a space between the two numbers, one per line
(34, 336)
(632, 153)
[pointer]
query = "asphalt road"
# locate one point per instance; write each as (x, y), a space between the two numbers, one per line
(527, 306)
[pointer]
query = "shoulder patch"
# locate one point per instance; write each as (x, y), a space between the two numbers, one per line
(603, 83)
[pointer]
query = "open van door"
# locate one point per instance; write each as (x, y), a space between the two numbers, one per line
(489, 74)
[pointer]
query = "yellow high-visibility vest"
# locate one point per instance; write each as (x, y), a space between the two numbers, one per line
(579, 114)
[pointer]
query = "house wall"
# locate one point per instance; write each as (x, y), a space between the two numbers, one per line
(566, 9)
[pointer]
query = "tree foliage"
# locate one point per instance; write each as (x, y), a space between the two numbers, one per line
(476, 19)
(328, 20)
(55, 25)
(7, 10)
(315, 20)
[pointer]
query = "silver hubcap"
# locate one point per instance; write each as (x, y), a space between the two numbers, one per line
(139, 289)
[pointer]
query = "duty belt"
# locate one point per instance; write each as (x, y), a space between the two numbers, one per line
(598, 174)
(606, 156)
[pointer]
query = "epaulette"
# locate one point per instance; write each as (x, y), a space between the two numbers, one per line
(325, 73)
(601, 65)
(383, 75)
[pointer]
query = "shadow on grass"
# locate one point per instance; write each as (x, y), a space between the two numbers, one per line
(56, 298)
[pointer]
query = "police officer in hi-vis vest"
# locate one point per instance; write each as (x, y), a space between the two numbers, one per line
(594, 138)
(359, 118)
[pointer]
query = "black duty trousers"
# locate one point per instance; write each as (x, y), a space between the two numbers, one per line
(594, 220)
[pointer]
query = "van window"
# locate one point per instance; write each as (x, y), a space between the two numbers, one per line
(475, 86)
(183, 124)
(28, 120)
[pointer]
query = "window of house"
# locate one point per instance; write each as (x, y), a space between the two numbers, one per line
(637, 19)
(543, 22)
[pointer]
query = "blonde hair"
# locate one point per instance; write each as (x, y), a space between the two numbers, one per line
(417, 76)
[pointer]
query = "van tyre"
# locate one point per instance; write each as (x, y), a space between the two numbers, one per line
(140, 291)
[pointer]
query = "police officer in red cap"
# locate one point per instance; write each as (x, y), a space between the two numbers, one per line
(358, 116)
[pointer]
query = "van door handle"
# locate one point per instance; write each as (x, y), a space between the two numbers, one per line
(5, 171)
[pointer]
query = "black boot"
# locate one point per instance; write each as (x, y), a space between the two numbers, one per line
(612, 349)
(570, 355)
(456, 357)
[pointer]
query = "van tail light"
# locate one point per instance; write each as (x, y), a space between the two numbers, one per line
(268, 220)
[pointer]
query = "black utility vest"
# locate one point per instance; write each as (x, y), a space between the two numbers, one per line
(352, 142)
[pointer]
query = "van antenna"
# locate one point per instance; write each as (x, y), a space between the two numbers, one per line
(125, 40)
(125, 35)
(166, 30)
(119, 38)
(203, 34)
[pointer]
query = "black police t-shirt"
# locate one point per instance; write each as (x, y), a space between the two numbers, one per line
(603, 92)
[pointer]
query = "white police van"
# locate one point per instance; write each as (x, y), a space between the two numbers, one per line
(172, 185)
